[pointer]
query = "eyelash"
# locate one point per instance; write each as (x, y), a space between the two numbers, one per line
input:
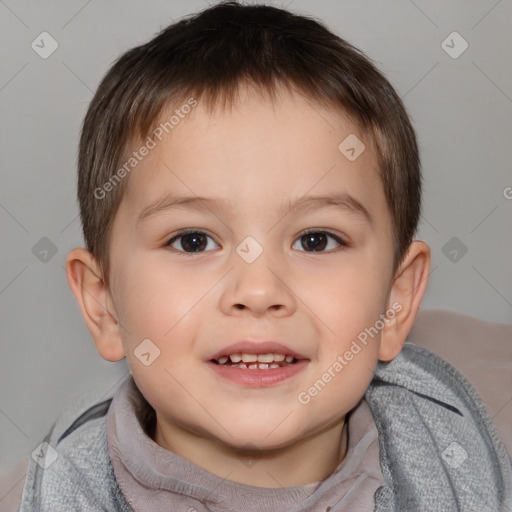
(188, 231)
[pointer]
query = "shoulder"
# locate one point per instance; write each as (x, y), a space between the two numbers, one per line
(425, 410)
(480, 350)
(432, 382)
(79, 478)
(71, 468)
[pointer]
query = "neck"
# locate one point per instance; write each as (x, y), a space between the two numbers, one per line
(282, 467)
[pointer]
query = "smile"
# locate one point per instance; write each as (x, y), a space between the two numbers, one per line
(257, 370)
(256, 361)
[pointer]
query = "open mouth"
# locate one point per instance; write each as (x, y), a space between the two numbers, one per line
(256, 361)
(258, 370)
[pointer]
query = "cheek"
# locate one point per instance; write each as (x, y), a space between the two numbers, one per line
(339, 387)
(152, 300)
(159, 306)
(345, 298)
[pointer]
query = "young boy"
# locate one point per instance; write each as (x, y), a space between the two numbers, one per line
(249, 190)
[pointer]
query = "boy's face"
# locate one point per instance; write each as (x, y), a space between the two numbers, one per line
(250, 274)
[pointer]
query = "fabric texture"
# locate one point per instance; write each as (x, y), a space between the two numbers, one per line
(438, 450)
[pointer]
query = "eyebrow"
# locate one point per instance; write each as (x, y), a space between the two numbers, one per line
(302, 205)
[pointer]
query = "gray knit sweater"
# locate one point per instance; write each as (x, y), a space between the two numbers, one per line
(439, 450)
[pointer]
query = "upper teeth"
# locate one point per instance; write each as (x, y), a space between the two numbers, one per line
(253, 358)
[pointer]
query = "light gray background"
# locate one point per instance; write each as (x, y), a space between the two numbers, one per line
(461, 109)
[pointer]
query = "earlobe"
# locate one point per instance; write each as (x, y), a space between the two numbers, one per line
(408, 288)
(86, 282)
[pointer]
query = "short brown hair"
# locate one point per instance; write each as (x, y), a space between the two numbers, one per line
(207, 56)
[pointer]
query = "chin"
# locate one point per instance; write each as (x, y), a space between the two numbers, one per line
(261, 439)
(256, 442)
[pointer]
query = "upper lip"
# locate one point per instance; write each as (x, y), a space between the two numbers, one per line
(257, 347)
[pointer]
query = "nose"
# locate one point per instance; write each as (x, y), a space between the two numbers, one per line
(258, 288)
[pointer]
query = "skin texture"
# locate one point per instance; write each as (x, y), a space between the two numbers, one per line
(253, 158)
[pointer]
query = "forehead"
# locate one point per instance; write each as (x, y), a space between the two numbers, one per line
(257, 152)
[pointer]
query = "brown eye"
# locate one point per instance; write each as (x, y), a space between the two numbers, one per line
(318, 241)
(190, 241)
(314, 241)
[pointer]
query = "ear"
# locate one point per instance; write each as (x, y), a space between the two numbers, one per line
(94, 298)
(407, 290)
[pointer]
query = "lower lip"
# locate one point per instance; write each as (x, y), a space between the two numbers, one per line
(258, 378)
